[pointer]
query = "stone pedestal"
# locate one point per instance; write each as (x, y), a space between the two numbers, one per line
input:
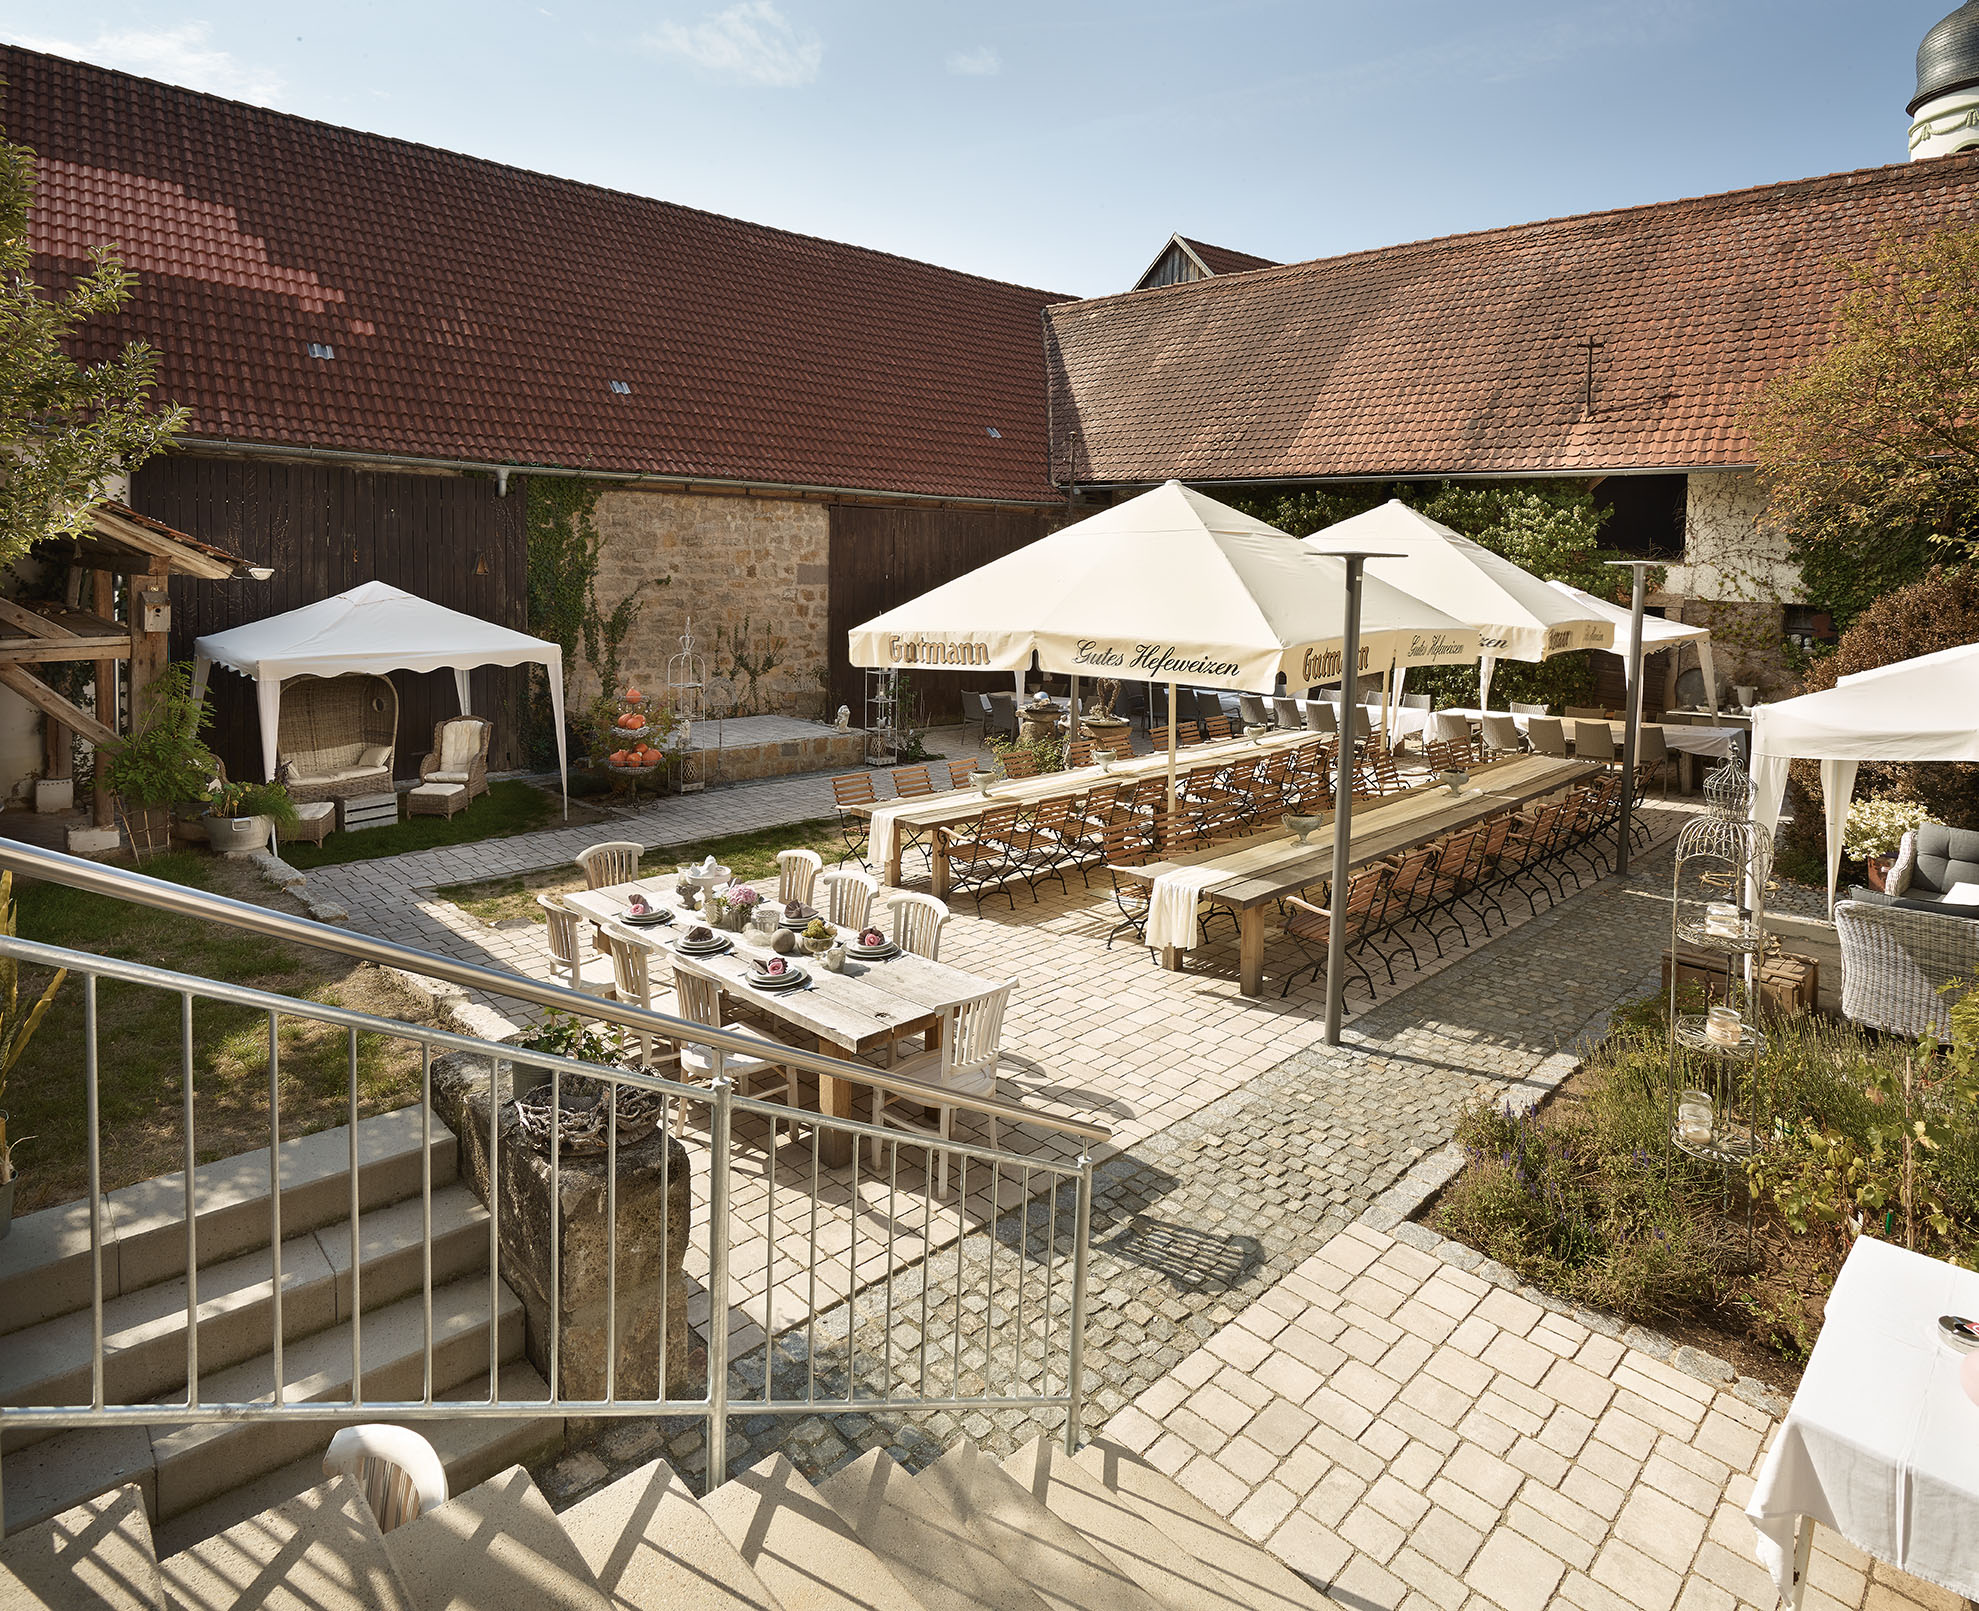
(655, 1215)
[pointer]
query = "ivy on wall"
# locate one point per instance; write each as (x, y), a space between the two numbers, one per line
(563, 545)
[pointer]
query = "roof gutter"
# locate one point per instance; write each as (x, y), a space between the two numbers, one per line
(640, 478)
(1591, 474)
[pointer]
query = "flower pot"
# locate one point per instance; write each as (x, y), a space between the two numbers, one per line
(1105, 730)
(54, 795)
(1879, 871)
(233, 836)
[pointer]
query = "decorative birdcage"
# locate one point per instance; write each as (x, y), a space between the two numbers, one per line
(886, 716)
(697, 737)
(1720, 1110)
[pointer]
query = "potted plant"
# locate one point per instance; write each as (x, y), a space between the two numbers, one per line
(17, 1027)
(1874, 830)
(734, 907)
(162, 762)
(243, 816)
(1106, 730)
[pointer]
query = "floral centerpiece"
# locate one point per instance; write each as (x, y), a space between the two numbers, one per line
(731, 906)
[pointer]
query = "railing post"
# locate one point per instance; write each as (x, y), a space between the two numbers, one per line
(718, 1161)
(1075, 1365)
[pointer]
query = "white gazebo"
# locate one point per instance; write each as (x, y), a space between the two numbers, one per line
(1657, 635)
(1516, 615)
(1925, 709)
(372, 628)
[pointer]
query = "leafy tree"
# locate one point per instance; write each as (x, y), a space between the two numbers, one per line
(1869, 453)
(65, 427)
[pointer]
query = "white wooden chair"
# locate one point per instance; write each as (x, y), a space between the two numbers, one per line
(594, 975)
(614, 862)
(917, 922)
(398, 1470)
(796, 875)
(632, 975)
(965, 1064)
(764, 1078)
(849, 898)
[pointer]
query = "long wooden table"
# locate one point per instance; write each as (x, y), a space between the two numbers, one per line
(847, 1013)
(966, 805)
(1259, 871)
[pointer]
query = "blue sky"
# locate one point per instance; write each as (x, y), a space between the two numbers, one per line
(1058, 144)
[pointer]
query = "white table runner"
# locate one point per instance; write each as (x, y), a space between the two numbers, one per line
(883, 833)
(1172, 906)
(1881, 1443)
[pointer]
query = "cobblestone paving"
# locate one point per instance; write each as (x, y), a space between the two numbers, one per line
(1197, 1222)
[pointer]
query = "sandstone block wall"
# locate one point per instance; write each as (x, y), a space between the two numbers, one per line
(719, 560)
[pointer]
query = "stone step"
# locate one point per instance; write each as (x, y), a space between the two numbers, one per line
(497, 1545)
(144, 1332)
(649, 1543)
(96, 1557)
(1145, 1541)
(1058, 1563)
(471, 1450)
(321, 1551)
(181, 1467)
(1259, 1579)
(923, 1543)
(800, 1548)
(44, 1261)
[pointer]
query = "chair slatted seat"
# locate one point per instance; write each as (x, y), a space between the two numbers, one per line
(979, 854)
(1309, 927)
(853, 789)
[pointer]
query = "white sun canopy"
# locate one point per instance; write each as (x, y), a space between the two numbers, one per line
(372, 628)
(1657, 635)
(1925, 709)
(1515, 614)
(1170, 586)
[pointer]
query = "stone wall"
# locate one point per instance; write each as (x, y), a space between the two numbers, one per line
(1734, 579)
(717, 560)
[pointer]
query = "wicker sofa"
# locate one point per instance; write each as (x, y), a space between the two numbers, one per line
(1932, 860)
(1895, 958)
(337, 736)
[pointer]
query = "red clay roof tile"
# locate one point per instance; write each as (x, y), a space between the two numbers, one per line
(480, 312)
(1462, 355)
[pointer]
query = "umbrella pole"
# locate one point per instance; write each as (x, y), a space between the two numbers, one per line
(1343, 807)
(1171, 753)
(1634, 724)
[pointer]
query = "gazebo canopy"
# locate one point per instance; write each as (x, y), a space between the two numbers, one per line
(1657, 634)
(1170, 586)
(373, 627)
(1925, 709)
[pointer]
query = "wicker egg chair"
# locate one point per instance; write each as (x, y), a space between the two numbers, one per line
(337, 736)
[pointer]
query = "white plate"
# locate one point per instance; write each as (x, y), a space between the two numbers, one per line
(774, 982)
(704, 948)
(882, 953)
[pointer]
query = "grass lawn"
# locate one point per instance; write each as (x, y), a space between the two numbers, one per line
(749, 855)
(509, 807)
(139, 1038)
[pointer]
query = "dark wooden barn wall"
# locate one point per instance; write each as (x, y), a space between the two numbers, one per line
(450, 539)
(881, 557)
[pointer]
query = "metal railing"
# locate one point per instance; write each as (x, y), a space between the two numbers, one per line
(1012, 1328)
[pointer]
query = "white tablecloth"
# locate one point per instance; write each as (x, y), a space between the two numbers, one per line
(882, 834)
(1697, 740)
(1172, 907)
(1881, 1444)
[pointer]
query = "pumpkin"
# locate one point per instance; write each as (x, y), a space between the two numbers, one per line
(618, 757)
(633, 696)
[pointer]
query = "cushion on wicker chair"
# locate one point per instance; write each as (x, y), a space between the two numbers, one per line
(460, 743)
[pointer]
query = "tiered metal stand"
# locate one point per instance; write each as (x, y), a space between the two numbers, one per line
(687, 692)
(1719, 1112)
(885, 717)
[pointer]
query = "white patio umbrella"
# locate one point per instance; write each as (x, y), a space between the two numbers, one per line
(1516, 615)
(1657, 635)
(1170, 586)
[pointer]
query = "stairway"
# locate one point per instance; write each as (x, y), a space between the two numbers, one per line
(1042, 1531)
(201, 1478)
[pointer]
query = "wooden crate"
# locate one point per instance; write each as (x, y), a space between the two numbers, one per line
(1787, 983)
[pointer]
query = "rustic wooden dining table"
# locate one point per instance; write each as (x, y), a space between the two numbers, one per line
(846, 1014)
(1260, 871)
(957, 806)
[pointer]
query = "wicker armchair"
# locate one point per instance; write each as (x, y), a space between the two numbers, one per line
(1895, 959)
(460, 753)
(336, 736)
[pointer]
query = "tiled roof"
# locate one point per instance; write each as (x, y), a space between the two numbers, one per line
(1466, 355)
(1221, 260)
(480, 312)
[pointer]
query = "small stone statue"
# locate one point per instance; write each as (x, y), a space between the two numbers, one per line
(844, 718)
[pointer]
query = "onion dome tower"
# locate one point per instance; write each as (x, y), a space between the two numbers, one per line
(1944, 113)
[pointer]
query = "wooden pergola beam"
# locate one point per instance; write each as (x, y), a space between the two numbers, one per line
(44, 699)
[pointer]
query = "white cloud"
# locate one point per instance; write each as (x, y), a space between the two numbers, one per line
(979, 61)
(750, 43)
(180, 55)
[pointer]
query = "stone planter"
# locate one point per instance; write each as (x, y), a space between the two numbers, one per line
(54, 795)
(653, 1186)
(1106, 732)
(235, 836)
